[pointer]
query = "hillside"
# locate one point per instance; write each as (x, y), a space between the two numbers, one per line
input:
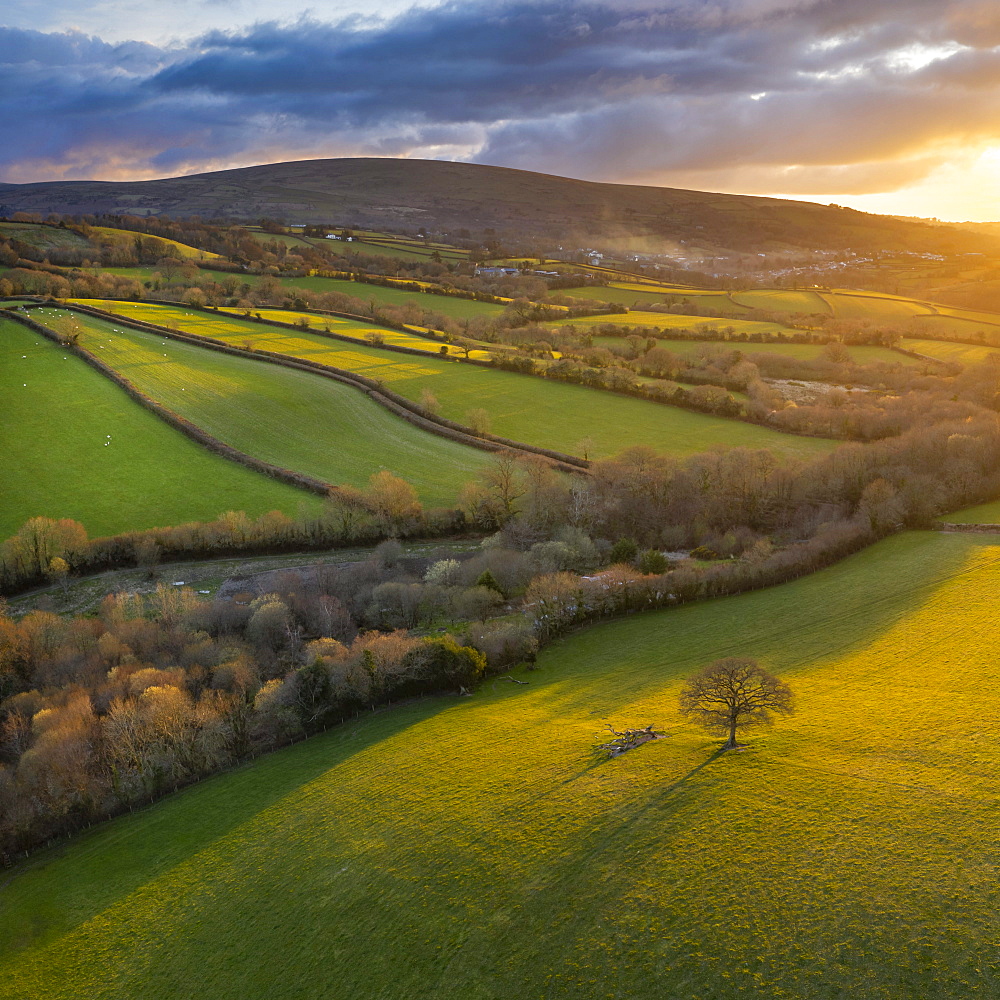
(472, 847)
(445, 197)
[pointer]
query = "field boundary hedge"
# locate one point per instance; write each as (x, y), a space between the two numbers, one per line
(399, 405)
(175, 420)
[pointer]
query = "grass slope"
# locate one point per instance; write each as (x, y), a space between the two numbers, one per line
(862, 354)
(471, 848)
(357, 330)
(963, 354)
(293, 419)
(55, 415)
(666, 321)
(551, 414)
(446, 305)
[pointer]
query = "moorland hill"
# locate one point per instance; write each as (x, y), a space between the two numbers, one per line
(447, 197)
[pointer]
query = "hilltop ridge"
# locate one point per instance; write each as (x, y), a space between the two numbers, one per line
(446, 196)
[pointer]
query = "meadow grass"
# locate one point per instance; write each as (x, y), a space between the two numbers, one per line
(872, 305)
(171, 248)
(636, 296)
(473, 847)
(447, 305)
(355, 329)
(57, 414)
(944, 350)
(983, 513)
(293, 419)
(43, 237)
(863, 354)
(782, 300)
(673, 321)
(549, 414)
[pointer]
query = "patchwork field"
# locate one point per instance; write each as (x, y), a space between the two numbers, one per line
(672, 321)
(473, 848)
(782, 300)
(966, 327)
(55, 416)
(446, 305)
(881, 308)
(637, 296)
(963, 354)
(549, 414)
(861, 354)
(354, 329)
(171, 248)
(43, 237)
(290, 418)
(984, 513)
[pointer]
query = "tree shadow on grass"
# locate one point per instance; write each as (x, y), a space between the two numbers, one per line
(831, 613)
(86, 874)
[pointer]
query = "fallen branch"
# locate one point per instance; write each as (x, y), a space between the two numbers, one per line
(629, 739)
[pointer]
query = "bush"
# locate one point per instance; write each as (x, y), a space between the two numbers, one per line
(623, 551)
(653, 561)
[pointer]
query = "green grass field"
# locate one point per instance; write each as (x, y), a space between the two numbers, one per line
(963, 354)
(984, 513)
(43, 237)
(447, 305)
(782, 300)
(472, 848)
(550, 414)
(56, 415)
(672, 321)
(881, 308)
(861, 354)
(357, 330)
(637, 296)
(293, 419)
(171, 248)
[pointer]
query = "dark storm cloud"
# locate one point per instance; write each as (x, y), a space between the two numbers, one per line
(609, 90)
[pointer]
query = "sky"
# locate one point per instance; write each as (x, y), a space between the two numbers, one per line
(883, 105)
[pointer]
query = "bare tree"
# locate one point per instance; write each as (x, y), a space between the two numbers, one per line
(733, 693)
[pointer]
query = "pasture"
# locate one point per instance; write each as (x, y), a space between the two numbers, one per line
(57, 413)
(293, 419)
(944, 350)
(861, 354)
(355, 329)
(171, 248)
(637, 296)
(521, 407)
(874, 306)
(782, 300)
(983, 513)
(473, 847)
(43, 237)
(673, 321)
(446, 305)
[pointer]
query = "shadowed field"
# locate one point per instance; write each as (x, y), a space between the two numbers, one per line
(473, 848)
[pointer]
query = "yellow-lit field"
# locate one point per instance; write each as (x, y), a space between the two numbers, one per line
(520, 407)
(782, 300)
(472, 847)
(356, 330)
(170, 247)
(944, 350)
(672, 321)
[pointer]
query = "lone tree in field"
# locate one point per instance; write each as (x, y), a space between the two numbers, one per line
(733, 693)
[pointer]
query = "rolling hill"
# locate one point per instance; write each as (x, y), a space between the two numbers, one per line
(445, 197)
